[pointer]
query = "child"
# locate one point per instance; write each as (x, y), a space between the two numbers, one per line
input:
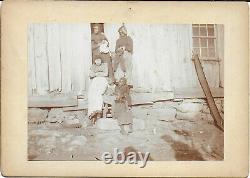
(122, 106)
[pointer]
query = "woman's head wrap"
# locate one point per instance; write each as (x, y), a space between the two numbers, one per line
(122, 29)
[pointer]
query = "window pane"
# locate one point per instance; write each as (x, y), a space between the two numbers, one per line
(203, 42)
(195, 31)
(195, 25)
(196, 51)
(211, 52)
(196, 42)
(210, 25)
(211, 43)
(210, 31)
(203, 52)
(203, 31)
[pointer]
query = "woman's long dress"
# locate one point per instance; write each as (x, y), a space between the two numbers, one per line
(97, 88)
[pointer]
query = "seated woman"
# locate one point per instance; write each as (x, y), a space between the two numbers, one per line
(98, 85)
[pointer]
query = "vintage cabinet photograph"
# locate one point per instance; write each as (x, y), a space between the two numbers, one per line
(125, 92)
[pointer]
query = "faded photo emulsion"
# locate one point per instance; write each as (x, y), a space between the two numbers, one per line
(125, 93)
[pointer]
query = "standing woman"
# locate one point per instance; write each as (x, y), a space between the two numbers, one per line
(124, 51)
(97, 39)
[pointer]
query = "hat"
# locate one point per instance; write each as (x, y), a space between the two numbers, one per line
(122, 29)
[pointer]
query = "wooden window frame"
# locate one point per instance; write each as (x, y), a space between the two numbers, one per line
(215, 58)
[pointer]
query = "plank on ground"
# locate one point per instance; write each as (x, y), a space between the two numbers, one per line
(52, 101)
(144, 98)
(197, 93)
(82, 105)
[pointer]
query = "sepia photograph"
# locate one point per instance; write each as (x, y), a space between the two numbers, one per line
(125, 92)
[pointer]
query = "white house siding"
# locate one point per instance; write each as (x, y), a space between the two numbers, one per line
(59, 58)
(162, 55)
(220, 49)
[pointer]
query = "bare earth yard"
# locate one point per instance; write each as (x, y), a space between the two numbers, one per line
(171, 130)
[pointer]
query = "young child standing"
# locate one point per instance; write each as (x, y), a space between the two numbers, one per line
(122, 106)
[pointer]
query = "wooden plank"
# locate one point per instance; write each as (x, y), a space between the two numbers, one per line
(80, 57)
(183, 67)
(218, 121)
(54, 57)
(212, 73)
(87, 56)
(52, 101)
(41, 59)
(76, 59)
(66, 57)
(144, 98)
(162, 70)
(31, 61)
(220, 50)
(82, 104)
(190, 93)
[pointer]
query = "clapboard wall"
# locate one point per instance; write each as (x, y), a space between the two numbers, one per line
(162, 55)
(60, 57)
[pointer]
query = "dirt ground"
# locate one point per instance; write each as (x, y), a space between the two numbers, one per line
(171, 130)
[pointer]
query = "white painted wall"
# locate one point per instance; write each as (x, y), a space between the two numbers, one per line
(162, 55)
(220, 49)
(60, 57)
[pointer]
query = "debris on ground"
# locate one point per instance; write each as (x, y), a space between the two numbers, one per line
(171, 130)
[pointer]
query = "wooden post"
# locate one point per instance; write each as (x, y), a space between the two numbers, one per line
(218, 121)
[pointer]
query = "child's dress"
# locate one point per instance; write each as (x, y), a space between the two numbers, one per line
(122, 102)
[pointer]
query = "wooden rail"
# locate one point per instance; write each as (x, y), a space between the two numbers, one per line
(218, 121)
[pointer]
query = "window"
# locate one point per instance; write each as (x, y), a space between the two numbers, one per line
(204, 41)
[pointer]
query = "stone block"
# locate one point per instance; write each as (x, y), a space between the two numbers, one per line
(190, 116)
(186, 107)
(36, 115)
(107, 124)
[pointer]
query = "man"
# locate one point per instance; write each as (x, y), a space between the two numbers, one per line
(124, 51)
(97, 39)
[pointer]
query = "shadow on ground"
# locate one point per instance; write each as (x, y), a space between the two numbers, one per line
(183, 152)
